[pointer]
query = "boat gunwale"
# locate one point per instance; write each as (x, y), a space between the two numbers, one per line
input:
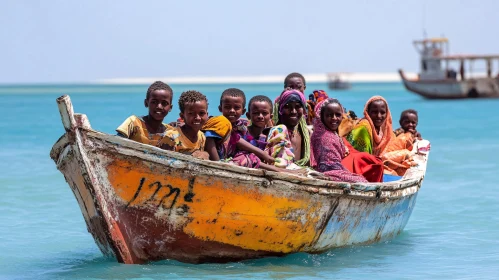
(312, 185)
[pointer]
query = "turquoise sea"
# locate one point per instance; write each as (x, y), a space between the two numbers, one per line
(453, 232)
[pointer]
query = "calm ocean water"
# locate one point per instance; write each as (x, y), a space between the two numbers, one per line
(453, 232)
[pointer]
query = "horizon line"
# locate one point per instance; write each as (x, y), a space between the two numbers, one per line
(261, 79)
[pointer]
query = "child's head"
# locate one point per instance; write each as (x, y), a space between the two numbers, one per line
(221, 127)
(292, 106)
(232, 104)
(295, 81)
(331, 114)
(409, 120)
(193, 109)
(377, 109)
(159, 100)
(259, 110)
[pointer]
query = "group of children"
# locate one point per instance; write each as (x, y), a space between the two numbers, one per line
(290, 134)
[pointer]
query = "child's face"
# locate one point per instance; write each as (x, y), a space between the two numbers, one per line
(159, 104)
(296, 83)
(332, 116)
(259, 113)
(377, 111)
(232, 108)
(195, 114)
(292, 113)
(408, 122)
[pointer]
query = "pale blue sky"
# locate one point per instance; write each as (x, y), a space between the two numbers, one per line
(79, 41)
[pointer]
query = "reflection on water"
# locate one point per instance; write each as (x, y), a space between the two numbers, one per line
(295, 265)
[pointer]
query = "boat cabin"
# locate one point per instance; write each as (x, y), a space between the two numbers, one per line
(435, 60)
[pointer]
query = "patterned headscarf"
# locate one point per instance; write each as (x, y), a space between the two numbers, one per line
(290, 96)
(381, 140)
(320, 95)
(328, 149)
(220, 125)
(279, 103)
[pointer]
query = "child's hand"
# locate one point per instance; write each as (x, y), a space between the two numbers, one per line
(300, 172)
(268, 159)
(418, 135)
(201, 155)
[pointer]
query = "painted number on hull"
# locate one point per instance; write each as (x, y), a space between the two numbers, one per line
(171, 191)
(164, 200)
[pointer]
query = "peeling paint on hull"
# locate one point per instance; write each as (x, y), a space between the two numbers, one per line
(143, 204)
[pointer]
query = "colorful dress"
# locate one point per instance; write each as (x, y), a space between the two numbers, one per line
(279, 146)
(134, 128)
(328, 150)
(239, 130)
(364, 137)
(397, 156)
(398, 131)
(318, 96)
(362, 163)
(260, 143)
(394, 151)
(219, 128)
(238, 157)
(182, 144)
(278, 141)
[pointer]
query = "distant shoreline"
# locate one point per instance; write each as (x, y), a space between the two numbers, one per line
(311, 78)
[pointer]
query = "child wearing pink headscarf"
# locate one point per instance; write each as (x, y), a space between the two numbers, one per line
(328, 148)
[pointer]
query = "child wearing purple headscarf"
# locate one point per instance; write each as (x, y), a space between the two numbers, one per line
(289, 140)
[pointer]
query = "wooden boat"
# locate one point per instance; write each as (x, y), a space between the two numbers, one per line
(141, 203)
(335, 82)
(437, 81)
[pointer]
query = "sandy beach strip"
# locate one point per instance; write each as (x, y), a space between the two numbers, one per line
(311, 78)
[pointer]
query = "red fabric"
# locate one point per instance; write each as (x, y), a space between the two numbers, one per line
(365, 164)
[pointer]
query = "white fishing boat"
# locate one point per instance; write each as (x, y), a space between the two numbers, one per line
(437, 78)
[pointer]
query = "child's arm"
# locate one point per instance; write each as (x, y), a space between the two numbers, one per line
(299, 172)
(126, 128)
(211, 148)
(417, 135)
(200, 154)
(245, 146)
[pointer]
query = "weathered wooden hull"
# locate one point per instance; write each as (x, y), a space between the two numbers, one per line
(453, 89)
(142, 203)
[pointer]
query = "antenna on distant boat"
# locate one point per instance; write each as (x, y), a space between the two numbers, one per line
(424, 20)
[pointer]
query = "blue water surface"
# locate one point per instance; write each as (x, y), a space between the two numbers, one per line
(453, 232)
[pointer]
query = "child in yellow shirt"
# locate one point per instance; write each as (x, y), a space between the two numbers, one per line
(188, 138)
(150, 129)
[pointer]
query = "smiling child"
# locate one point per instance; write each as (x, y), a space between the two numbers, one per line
(188, 138)
(328, 148)
(260, 115)
(150, 129)
(408, 123)
(237, 150)
(289, 140)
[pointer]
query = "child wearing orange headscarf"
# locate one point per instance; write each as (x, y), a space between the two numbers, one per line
(374, 134)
